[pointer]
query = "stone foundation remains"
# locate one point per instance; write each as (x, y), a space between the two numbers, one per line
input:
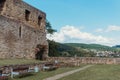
(76, 61)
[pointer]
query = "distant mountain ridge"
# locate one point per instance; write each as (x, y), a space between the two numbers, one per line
(116, 46)
(91, 46)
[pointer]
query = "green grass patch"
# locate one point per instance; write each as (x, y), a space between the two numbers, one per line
(97, 72)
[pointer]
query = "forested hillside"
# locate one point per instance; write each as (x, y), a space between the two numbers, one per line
(59, 49)
(91, 46)
(117, 47)
(78, 49)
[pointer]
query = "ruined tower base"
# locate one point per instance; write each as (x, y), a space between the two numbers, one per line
(20, 41)
(22, 29)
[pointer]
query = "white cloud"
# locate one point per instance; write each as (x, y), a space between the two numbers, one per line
(73, 34)
(113, 28)
(99, 30)
(109, 29)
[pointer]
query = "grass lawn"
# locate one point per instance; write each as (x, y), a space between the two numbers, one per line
(17, 61)
(97, 72)
(41, 75)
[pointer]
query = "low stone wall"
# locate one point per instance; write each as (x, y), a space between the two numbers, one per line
(85, 60)
(7, 69)
(66, 62)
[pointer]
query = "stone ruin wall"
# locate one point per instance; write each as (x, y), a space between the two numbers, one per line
(15, 9)
(66, 62)
(85, 60)
(16, 45)
(18, 37)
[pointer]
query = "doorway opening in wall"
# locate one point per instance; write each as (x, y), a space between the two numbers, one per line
(2, 2)
(27, 15)
(39, 52)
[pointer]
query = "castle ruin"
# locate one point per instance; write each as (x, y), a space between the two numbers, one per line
(22, 31)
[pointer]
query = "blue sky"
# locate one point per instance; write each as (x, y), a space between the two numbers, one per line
(90, 21)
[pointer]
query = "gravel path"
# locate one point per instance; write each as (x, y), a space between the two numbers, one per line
(67, 73)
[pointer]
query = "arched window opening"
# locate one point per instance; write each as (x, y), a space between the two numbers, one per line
(2, 2)
(27, 15)
(39, 20)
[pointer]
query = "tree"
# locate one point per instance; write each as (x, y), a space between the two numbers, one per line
(53, 47)
(65, 54)
(49, 28)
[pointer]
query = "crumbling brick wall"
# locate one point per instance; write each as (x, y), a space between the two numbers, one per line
(22, 28)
